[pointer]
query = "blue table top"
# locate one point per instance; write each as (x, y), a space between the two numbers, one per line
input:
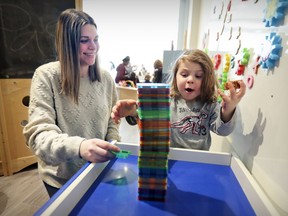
(193, 189)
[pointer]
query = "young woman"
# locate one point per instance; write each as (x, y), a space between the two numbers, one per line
(194, 107)
(70, 104)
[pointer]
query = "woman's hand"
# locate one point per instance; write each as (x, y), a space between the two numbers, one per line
(230, 101)
(97, 150)
(124, 108)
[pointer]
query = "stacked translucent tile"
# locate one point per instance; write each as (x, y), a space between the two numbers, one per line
(154, 115)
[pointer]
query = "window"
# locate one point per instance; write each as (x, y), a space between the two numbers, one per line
(140, 29)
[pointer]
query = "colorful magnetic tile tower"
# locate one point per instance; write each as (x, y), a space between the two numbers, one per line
(154, 115)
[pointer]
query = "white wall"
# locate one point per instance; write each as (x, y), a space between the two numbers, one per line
(259, 138)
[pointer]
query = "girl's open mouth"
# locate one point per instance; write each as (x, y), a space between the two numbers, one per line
(189, 90)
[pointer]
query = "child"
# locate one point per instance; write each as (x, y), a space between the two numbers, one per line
(194, 107)
(147, 78)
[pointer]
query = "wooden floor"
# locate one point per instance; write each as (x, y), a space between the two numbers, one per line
(22, 193)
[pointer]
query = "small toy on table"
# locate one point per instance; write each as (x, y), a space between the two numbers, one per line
(122, 154)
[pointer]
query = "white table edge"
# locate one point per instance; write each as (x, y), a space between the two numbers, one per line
(66, 201)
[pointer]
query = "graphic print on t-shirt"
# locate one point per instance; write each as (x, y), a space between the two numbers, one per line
(192, 123)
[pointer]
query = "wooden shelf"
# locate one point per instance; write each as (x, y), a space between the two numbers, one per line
(14, 99)
(127, 93)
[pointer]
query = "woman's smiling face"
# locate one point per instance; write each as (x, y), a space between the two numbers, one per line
(89, 45)
(189, 79)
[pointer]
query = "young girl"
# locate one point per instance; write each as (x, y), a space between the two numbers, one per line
(194, 107)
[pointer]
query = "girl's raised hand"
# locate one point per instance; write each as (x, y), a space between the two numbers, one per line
(231, 100)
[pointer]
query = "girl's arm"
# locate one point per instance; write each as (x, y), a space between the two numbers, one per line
(124, 108)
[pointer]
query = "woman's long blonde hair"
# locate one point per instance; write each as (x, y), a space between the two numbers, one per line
(68, 34)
